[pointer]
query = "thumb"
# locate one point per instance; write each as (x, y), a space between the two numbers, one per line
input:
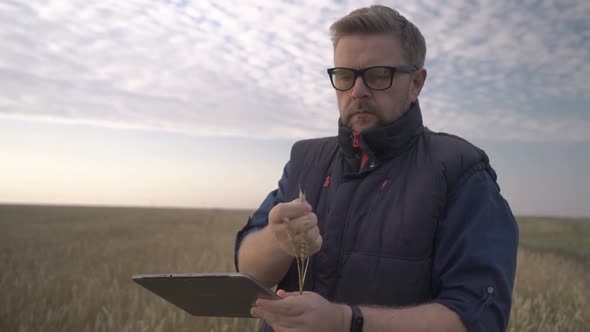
(283, 295)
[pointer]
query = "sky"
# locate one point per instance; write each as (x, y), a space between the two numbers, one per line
(197, 103)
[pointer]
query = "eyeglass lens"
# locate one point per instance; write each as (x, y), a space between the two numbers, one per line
(375, 78)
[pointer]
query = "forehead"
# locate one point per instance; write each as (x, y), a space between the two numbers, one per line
(360, 51)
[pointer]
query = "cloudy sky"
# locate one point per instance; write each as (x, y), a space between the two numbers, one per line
(196, 103)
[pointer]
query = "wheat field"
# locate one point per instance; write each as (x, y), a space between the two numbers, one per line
(69, 268)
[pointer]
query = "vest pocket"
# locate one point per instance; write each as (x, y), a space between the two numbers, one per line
(377, 280)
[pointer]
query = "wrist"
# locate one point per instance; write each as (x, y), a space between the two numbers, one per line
(346, 317)
(275, 242)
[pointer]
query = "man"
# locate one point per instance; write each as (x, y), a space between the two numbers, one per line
(408, 227)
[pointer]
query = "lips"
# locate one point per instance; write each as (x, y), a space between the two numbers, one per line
(361, 113)
(360, 108)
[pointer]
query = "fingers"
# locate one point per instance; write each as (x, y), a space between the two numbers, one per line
(304, 230)
(303, 224)
(312, 234)
(311, 237)
(277, 321)
(269, 317)
(283, 307)
(288, 211)
(293, 223)
(292, 312)
(314, 240)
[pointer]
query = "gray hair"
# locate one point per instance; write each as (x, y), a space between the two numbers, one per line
(379, 19)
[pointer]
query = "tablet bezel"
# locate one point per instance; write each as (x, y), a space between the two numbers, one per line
(208, 294)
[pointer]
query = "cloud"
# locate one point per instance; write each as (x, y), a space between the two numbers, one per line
(257, 69)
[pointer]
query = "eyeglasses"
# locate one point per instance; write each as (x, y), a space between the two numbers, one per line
(377, 78)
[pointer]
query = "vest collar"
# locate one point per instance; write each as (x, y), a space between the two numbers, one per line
(384, 142)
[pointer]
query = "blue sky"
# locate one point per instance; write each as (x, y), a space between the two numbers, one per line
(196, 103)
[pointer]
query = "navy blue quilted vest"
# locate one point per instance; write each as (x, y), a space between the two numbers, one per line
(378, 223)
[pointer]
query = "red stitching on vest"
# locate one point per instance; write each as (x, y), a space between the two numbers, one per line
(384, 184)
(327, 182)
(364, 159)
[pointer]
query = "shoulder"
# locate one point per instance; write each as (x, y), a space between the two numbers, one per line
(315, 142)
(313, 148)
(445, 144)
(457, 158)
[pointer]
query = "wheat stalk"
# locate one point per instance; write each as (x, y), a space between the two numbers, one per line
(300, 249)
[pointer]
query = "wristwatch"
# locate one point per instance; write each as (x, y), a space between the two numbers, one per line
(356, 323)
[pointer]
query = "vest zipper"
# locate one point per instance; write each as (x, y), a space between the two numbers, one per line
(356, 142)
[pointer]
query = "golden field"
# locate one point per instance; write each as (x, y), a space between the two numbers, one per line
(69, 268)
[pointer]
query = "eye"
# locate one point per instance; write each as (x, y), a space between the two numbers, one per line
(343, 75)
(378, 74)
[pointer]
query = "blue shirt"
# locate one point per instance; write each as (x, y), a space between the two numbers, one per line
(474, 260)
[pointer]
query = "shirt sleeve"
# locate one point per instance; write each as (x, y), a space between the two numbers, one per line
(259, 219)
(474, 261)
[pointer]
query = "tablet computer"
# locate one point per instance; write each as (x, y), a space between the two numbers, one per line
(208, 294)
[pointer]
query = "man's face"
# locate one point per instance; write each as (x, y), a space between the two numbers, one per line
(361, 107)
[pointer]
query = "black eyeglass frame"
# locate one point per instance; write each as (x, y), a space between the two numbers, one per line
(361, 73)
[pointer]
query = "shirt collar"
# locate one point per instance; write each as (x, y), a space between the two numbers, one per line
(387, 141)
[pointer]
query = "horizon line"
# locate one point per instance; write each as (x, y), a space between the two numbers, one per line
(184, 207)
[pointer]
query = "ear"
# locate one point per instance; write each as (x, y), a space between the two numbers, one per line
(416, 83)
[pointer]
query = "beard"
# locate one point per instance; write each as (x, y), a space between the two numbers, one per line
(364, 106)
(370, 115)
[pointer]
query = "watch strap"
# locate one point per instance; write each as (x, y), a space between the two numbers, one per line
(357, 320)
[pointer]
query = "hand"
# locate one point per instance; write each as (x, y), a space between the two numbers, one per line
(295, 217)
(307, 312)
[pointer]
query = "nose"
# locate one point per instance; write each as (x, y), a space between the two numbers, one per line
(359, 89)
